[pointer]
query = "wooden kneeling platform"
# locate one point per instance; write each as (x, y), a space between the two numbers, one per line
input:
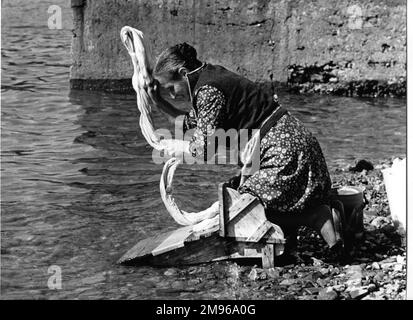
(243, 232)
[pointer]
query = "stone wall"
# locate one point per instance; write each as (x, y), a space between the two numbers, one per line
(351, 47)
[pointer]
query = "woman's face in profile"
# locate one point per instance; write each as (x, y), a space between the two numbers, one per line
(177, 88)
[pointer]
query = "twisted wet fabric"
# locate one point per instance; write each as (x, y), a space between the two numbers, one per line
(140, 53)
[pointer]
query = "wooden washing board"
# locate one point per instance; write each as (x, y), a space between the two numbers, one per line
(243, 232)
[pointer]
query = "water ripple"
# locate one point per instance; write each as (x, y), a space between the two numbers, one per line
(79, 186)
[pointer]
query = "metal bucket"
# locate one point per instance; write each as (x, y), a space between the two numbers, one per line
(354, 202)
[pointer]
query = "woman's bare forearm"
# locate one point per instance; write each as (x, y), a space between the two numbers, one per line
(171, 111)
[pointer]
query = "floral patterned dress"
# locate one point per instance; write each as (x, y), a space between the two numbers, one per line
(293, 174)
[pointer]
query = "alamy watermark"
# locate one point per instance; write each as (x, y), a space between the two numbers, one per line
(219, 147)
(55, 17)
(55, 280)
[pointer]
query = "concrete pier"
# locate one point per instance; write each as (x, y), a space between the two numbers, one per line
(340, 47)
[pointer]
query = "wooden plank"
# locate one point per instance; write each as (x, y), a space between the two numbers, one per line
(175, 240)
(252, 252)
(204, 234)
(245, 220)
(203, 250)
(268, 256)
(221, 198)
(242, 205)
(214, 248)
(245, 225)
(276, 235)
(144, 247)
(269, 240)
(196, 252)
(238, 255)
(232, 196)
(260, 232)
(227, 197)
(270, 237)
(244, 250)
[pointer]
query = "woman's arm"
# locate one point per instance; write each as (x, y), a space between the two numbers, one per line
(210, 104)
(171, 111)
(211, 112)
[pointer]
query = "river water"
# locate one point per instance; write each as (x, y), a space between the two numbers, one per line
(78, 184)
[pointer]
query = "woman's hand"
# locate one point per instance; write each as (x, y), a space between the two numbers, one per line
(175, 147)
(154, 93)
(153, 90)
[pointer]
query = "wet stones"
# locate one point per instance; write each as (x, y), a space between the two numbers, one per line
(273, 273)
(324, 79)
(287, 282)
(253, 275)
(170, 272)
(375, 266)
(362, 165)
(327, 294)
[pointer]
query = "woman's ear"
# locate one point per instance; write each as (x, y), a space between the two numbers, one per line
(183, 71)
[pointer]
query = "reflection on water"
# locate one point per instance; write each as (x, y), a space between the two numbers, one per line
(78, 184)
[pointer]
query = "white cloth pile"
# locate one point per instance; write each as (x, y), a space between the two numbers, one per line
(395, 181)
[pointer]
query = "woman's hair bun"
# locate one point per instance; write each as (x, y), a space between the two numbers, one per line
(175, 57)
(186, 51)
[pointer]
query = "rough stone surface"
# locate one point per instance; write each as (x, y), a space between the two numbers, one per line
(327, 294)
(340, 47)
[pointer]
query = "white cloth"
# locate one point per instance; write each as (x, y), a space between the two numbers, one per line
(395, 182)
(139, 52)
